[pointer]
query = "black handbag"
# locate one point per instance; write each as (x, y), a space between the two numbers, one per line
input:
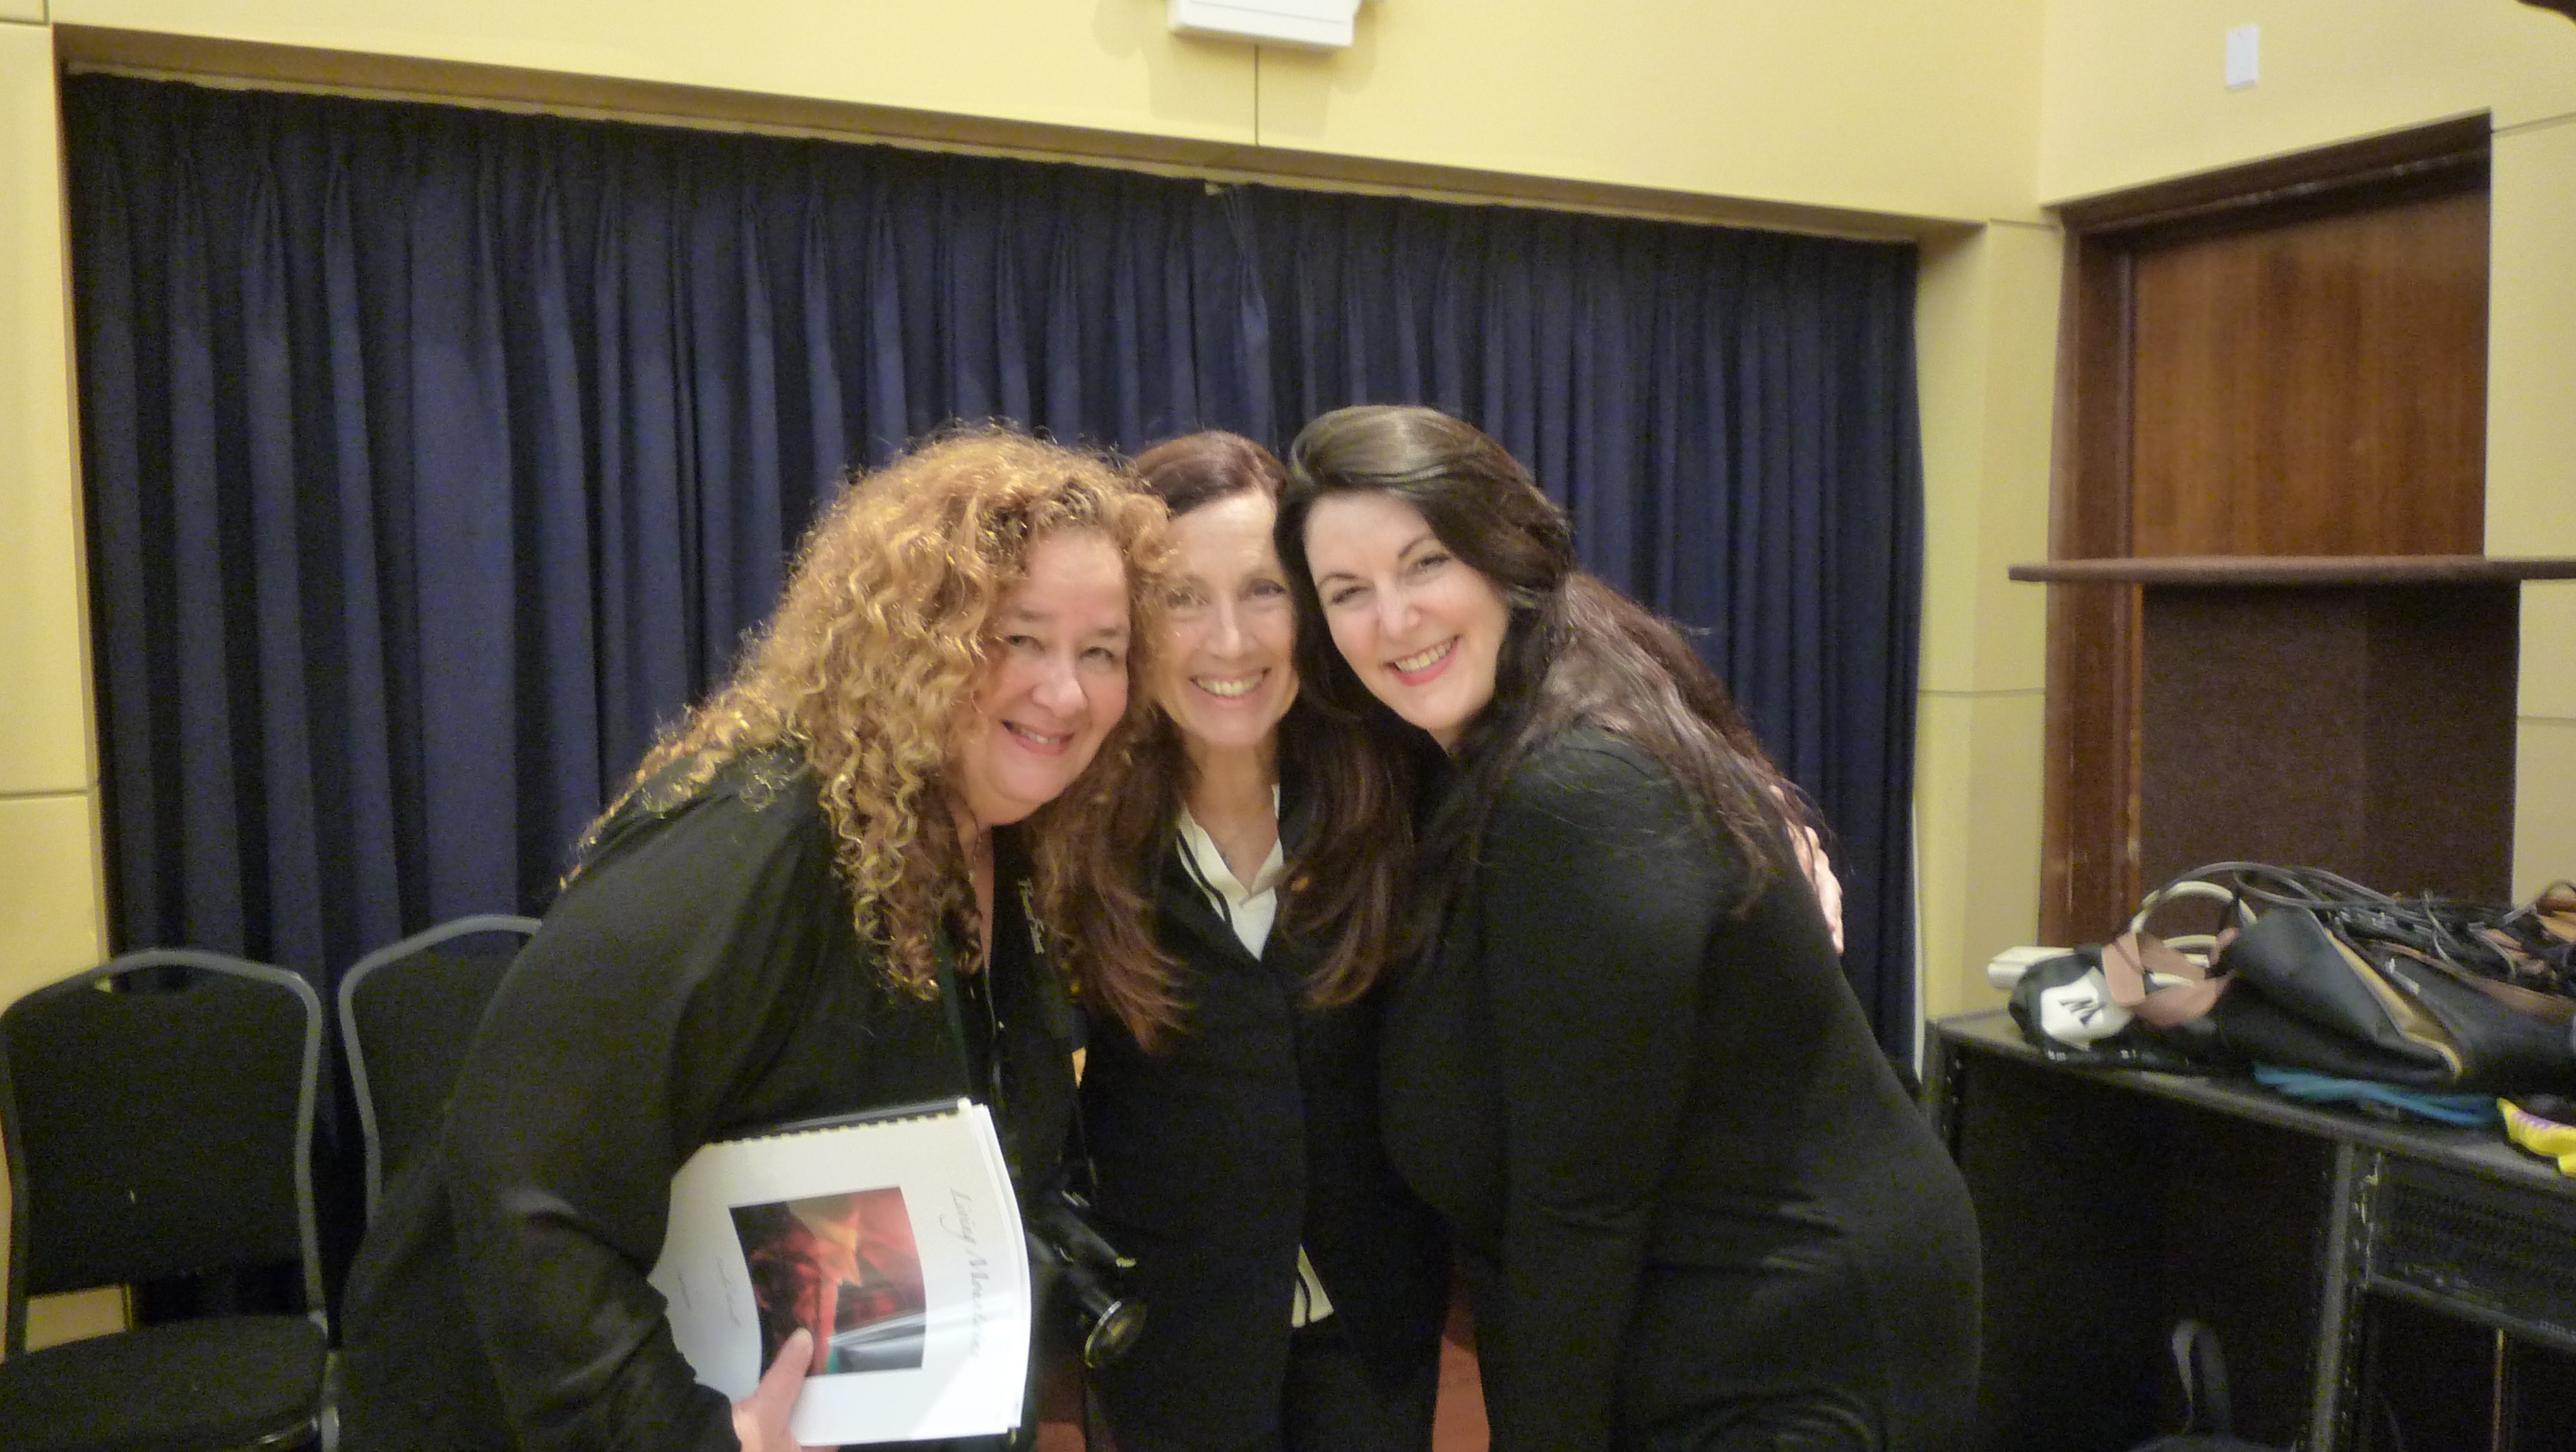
(2320, 973)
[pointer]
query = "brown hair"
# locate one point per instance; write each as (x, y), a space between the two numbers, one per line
(1574, 651)
(876, 648)
(1343, 883)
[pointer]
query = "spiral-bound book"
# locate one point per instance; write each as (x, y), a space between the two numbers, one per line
(893, 1236)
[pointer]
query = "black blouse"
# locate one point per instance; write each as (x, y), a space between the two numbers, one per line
(1685, 1181)
(699, 980)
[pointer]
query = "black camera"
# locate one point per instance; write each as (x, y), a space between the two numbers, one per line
(1079, 1273)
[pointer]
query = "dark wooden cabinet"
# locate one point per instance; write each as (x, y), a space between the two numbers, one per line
(2286, 358)
(2378, 1287)
(2354, 713)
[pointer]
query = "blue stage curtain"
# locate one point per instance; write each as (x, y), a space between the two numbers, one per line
(437, 457)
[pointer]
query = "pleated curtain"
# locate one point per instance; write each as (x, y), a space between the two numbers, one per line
(436, 458)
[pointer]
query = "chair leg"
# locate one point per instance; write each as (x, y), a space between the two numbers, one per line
(331, 1402)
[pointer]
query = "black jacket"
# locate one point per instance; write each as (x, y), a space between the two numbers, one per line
(1687, 1187)
(700, 980)
(1250, 1131)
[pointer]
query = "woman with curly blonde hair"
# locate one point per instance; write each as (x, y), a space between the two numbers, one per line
(811, 900)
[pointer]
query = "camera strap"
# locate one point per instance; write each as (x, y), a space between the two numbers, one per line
(986, 1066)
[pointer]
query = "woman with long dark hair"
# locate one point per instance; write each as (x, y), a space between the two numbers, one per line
(1696, 1208)
(1294, 1289)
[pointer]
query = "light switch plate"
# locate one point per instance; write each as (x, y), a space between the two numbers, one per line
(2244, 56)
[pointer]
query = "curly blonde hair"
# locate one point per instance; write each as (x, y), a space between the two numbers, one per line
(877, 646)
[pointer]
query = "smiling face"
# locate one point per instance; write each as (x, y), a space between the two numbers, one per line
(1225, 673)
(1054, 682)
(1421, 628)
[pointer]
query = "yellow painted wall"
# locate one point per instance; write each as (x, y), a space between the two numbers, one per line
(1926, 109)
(1918, 109)
(2134, 93)
(1987, 316)
(43, 712)
(2531, 467)
(1104, 64)
(52, 912)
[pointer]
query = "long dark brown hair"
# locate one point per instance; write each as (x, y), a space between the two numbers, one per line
(1343, 887)
(1575, 652)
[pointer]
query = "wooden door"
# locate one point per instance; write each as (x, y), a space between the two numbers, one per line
(2315, 387)
(2285, 359)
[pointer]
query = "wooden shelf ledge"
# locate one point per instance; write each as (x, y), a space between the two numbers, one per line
(2229, 570)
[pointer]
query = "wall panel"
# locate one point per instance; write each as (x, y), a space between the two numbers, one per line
(2531, 401)
(1106, 65)
(44, 709)
(2136, 93)
(2544, 837)
(1985, 342)
(1977, 820)
(1923, 109)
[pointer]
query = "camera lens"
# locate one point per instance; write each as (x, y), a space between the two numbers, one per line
(1113, 1329)
(1084, 1271)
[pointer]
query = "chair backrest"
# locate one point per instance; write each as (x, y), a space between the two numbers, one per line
(408, 1012)
(158, 1113)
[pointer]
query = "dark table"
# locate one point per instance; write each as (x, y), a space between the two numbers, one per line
(2364, 1275)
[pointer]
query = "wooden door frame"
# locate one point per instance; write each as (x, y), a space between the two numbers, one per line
(2089, 823)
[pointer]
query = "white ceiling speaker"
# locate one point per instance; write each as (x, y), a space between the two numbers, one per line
(1315, 24)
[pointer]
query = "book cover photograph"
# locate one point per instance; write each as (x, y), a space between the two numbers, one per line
(843, 1267)
(894, 1237)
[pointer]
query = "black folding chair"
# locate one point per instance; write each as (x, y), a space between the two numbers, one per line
(158, 1112)
(408, 1012)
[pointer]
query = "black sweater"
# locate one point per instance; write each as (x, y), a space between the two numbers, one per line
(1684, 1178)
(699, 980)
